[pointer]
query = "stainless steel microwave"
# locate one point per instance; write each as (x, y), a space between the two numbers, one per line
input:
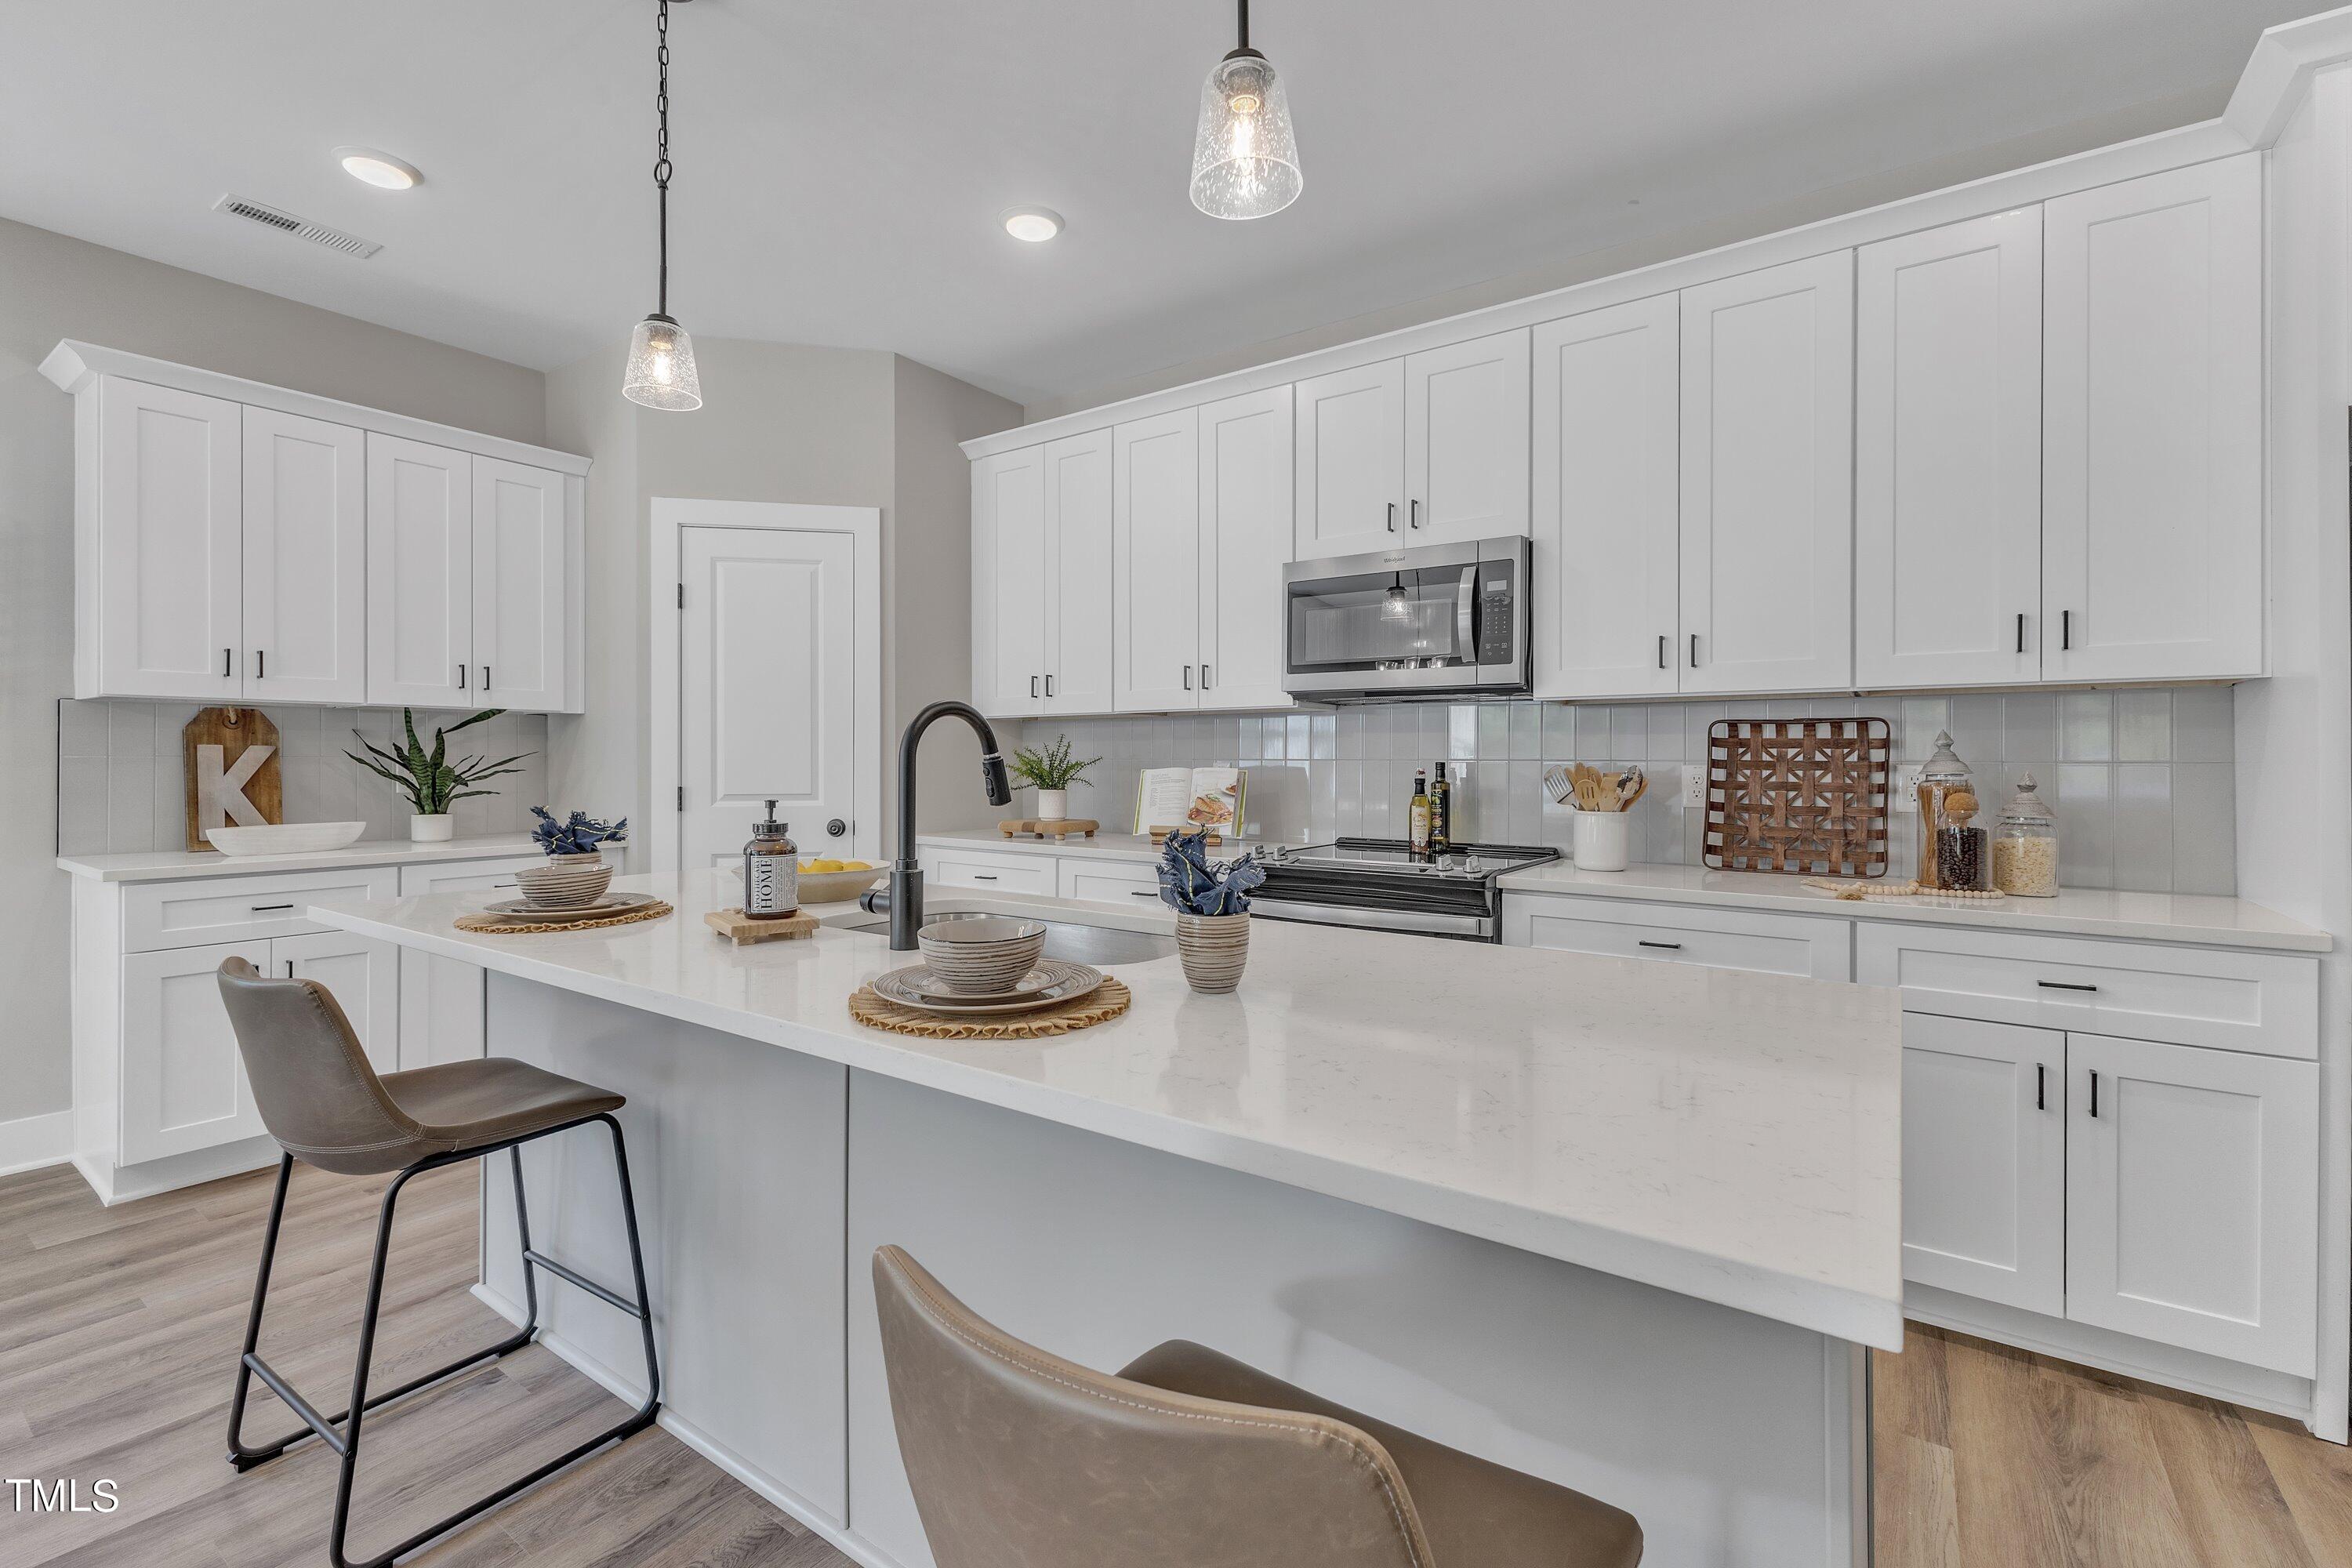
(1432, 620)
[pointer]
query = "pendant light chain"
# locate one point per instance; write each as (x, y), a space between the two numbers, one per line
(661, 151)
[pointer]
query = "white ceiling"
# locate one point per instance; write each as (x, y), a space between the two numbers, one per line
(841, 165)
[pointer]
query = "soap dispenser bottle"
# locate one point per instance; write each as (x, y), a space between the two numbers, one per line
(771, 870)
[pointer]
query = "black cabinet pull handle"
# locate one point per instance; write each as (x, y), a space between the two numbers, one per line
(2094, 1092)
(1204, 677)
(461, 677)
(1139, 893)
(1188, 678)
(1032, 686)
(2064, 986)
(486, 678)
(2041, 1096)
(260, 664)
(983, 877)
(1694, 650)
(1669, 946)
(1391, 517)
(1661, 650)
(2020, 631)
(226, 655)
(1416, 511)
(265, 908)
(290, 969)
(1049, 686)
(2065, 630)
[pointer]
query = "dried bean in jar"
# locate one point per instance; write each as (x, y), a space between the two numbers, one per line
(1961, 858)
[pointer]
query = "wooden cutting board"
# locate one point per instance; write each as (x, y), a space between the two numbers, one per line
(259, 796)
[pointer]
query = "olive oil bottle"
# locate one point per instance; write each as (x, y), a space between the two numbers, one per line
(1417, 813)
(1441, 814)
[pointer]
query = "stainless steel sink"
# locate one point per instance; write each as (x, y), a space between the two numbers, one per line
(1064, 939)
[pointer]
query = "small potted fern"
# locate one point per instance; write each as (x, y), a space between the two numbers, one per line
(432, 783)
(1053, 771)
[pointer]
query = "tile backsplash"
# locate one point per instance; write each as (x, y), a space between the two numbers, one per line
(2142, 780)
(122, 782)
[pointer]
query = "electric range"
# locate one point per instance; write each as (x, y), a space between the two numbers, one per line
(1381, 885)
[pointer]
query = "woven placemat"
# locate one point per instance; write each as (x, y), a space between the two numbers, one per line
(1106, 1002)
(509, 928)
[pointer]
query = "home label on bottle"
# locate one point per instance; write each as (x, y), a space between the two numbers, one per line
(772, 885)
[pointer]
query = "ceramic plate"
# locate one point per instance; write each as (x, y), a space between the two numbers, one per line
(1066, 982)
(521, 911)
(1029, 985)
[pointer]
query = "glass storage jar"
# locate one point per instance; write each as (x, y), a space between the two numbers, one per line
(2025, 846)
(1963, 856)
(1941, 777)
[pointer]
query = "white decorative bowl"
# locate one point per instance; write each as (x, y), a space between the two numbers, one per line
(284, 838)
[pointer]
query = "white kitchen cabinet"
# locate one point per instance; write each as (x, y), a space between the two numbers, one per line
(1351, 455)
(1819, 947)
(1156, 531)
(1984, 1160)
(521, 554)
(1608, 422)
(1008, 583)
(1005, 872)
(1123, 882)
(1079, 617)
(1948, 456)
(158, 541)
(2152, 463)
(182, 1085)
(420, 573)
(2192, 1198)
(441, 998)
(1767, 570)
(364, 975)
(1465, 440)
(304, 578)
(1245, 498)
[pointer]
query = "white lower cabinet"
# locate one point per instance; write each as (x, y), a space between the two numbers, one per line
(2193, 1183)
(1818, 947)
(1109, 881)
(1984, 1160)
(994, 873)
(441, 998)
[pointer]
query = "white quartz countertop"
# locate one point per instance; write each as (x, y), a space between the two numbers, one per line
(1730, 1136)
(176, 865)
(2198, 918)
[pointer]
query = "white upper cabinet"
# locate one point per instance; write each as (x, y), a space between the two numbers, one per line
(1767, 479)
(2152, 463)
(1607, 427)
(1156, 596)
(1246, 524)
(522, 554)
(1079, 575)
(305, 576)
(158, 545)
(1351, 456)
(1465, 440)
(1008, 583)
(1948, 456)
(2192, 1198)
(420, 573)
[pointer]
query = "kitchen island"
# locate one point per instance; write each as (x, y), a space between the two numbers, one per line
(1623, 1225)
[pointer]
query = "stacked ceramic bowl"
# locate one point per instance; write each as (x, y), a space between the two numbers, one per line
(566, 881)
(984, 955)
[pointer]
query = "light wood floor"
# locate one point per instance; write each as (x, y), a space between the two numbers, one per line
(118, 1331)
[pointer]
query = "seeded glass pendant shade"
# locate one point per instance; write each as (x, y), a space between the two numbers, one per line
(660, 373)
(1244, 155)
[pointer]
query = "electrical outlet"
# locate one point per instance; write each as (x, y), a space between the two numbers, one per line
(1695, 784)
(1905, 791)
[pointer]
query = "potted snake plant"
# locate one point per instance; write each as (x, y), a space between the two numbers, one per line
(432, 783)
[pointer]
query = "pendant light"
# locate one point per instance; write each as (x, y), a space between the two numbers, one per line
(1396, 604)
(1244, 157)
(661, 373)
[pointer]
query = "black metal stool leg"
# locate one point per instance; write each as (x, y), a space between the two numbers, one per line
(242, 1457)
(652, 1404)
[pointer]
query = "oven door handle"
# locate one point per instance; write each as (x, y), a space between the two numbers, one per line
(1465, 615)
(1420, 921)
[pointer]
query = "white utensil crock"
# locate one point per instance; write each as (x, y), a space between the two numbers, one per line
(1601, 839)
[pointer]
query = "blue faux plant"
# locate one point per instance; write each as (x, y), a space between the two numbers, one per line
(581, 835)
(1192, 886)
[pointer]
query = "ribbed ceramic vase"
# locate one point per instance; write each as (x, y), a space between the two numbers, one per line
(566, 881)
(1213, 949)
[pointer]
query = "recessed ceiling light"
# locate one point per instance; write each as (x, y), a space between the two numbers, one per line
(379, 169)
(1035, 224)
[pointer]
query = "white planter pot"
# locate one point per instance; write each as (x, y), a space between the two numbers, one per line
(432, 829)
(1053, 805)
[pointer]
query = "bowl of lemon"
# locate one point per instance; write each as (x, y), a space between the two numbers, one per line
(825, 882)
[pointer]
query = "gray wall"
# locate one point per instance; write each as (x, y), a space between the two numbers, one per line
(52, 288)
(2142, 781)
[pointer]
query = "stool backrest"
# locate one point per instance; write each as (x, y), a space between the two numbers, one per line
(318, 1093)
(1021, 1460)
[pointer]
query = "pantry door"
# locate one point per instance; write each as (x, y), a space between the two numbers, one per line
(770, 643)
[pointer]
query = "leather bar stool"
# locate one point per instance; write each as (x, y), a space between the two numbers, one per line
(323, 1103)
(1189, 1459)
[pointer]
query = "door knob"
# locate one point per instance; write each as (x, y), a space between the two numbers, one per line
(836, 827)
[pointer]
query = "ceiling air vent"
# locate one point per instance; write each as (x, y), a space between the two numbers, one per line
(300, 229)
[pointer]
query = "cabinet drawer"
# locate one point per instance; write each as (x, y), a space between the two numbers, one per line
(993, 873)
(1816, 947)
(1109, 882)
(464, 876)
(2231, 1000)
(157, 915)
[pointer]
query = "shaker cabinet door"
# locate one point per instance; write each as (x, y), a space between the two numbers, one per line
(1351, 454)
(1078, 616)
(1465, 440)
(521, 554)
(1155, 507)
(420, 526)
(364, 974)
(1008, 583)
(1984, 1160)
(1948, 456)
(2152, 473)
(305, 567)
(1245, 521)
(166, 579)
(184, 1085)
